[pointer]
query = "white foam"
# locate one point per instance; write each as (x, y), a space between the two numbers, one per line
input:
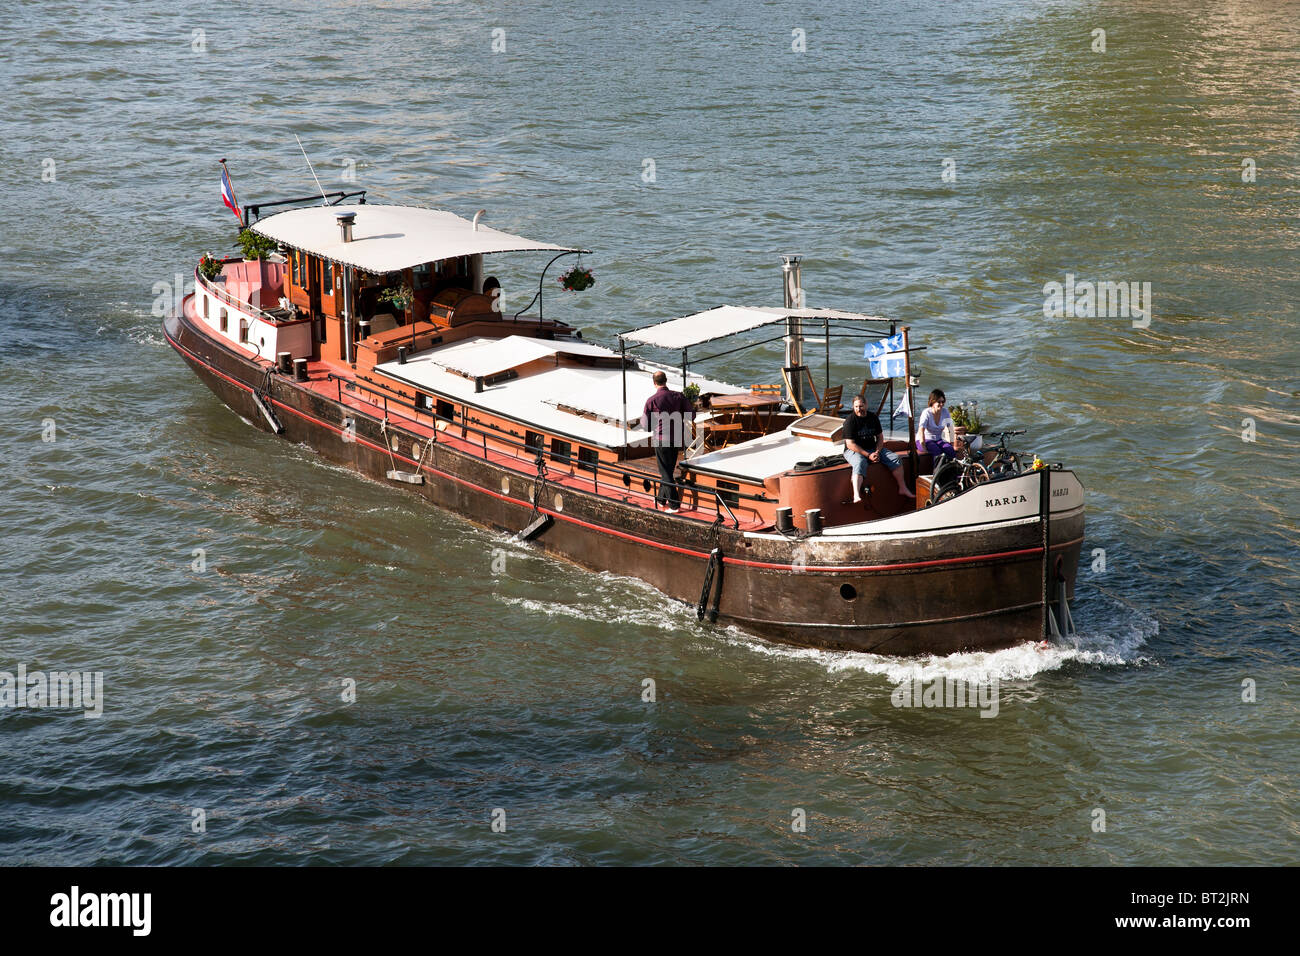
(1113, 640)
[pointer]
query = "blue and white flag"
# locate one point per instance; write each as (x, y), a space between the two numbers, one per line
(886, 357)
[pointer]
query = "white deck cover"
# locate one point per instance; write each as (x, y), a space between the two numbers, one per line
(488, 356)
(604, 396)
(534, 399)
(389, 238)
(727, 320)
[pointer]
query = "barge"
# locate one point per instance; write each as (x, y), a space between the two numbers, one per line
(374, 335)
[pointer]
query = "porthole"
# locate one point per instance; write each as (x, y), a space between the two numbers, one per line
(505, 484)
(394, 442)
(559, 502)
(415, 450)
(848, 592)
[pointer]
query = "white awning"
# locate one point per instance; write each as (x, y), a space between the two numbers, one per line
(389, 238)
(727, 320)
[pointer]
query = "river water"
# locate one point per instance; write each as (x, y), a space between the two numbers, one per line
(689, 146)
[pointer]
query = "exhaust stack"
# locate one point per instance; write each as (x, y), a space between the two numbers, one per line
(345, 224)
(792, 276)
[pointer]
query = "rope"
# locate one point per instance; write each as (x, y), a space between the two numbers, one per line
(419, 464)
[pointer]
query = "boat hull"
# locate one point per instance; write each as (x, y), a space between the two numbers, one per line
(936, 593)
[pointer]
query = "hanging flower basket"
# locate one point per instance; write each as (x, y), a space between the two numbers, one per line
(399, 296)
(578, 278)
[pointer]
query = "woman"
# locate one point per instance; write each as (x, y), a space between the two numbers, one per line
(931, 430)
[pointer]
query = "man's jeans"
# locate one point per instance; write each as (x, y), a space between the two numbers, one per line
(668, 492)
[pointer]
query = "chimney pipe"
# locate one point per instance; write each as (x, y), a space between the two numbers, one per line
(792, 282)
(345, 224)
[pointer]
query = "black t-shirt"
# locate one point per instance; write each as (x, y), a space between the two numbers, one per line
(863, 429)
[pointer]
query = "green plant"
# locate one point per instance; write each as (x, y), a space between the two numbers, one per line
(254, 246)
(967, 416)
(692, 393)
(209, 266)
(578, 278)
(400, 295)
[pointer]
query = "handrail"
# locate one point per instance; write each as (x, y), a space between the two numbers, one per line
(229, 299)
(256, 208)
(596, 466)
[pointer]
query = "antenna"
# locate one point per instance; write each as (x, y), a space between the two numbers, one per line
(313, 172)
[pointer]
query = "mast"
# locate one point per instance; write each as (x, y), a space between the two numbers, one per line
(907, 384)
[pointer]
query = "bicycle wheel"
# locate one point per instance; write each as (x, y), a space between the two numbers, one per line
(946, 495)
(976, 474)
(1005, 464)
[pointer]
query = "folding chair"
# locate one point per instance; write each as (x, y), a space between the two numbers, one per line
(805, 407)
(831, 400)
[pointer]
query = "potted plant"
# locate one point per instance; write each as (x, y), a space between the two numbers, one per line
(209, 266)
(966, 419)
(254, 246)
(400, 296)
(692, 393)
(578, 278)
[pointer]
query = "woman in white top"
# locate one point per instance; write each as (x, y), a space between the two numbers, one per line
(936, 432)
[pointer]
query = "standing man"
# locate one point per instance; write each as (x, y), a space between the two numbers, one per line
(864, 442)
(665, 417)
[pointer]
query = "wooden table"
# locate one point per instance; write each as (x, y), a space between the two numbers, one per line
(731, 407)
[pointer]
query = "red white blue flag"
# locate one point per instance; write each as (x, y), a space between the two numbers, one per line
(228, 193)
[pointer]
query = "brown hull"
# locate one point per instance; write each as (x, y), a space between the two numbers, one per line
(924, 595)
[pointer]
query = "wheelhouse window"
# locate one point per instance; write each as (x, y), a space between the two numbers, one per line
(295, 268)
(534, 442)
(327, 277)
(421, 277)
(446, 410)
(587, 458)
(560, 450)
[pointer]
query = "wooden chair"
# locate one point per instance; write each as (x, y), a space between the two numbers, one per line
(831, 400)
(766, 390)
(725, 431)
(805, 407)
(882, 387)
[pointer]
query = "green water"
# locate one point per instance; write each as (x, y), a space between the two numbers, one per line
(522, 690)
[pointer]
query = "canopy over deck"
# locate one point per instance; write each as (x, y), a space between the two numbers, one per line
(727, 320)
(389, 238)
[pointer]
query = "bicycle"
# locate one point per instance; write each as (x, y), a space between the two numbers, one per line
(953, 476)
(1006, 462)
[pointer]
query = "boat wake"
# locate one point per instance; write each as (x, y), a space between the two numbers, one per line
(1110, 634)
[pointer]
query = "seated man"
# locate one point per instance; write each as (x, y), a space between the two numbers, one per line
(864, 442)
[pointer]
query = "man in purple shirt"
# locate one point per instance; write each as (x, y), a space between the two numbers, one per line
(665, 417)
